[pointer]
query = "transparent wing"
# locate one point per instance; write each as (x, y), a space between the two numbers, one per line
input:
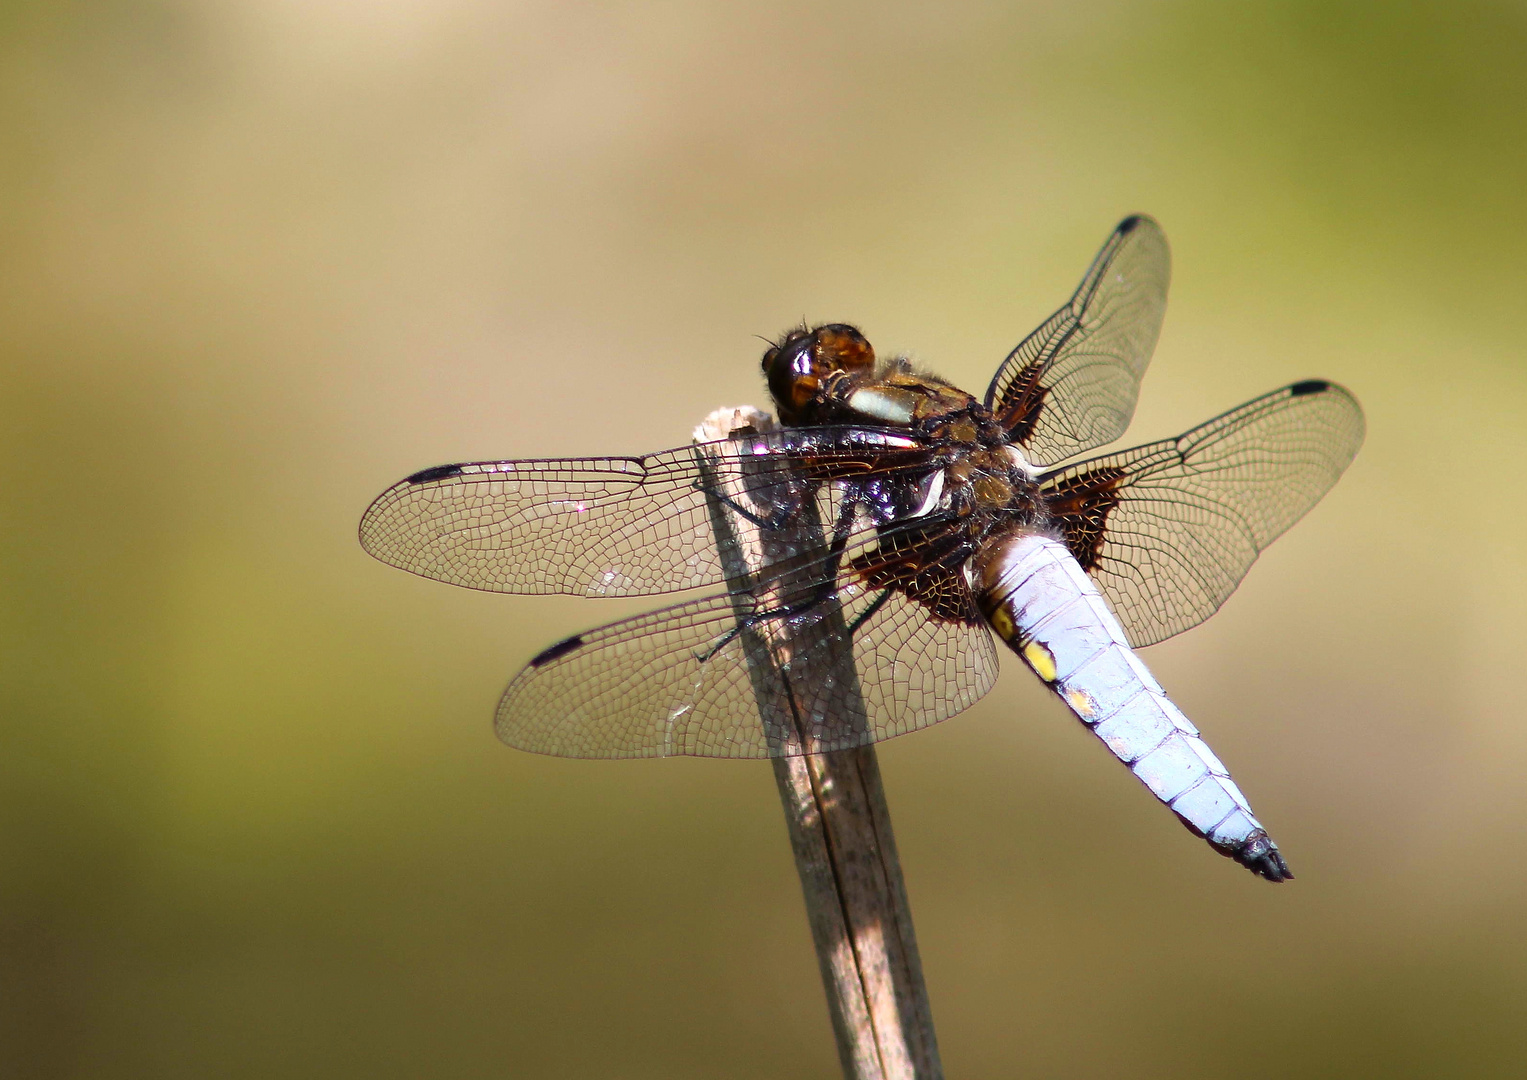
(1168, 530)
(723, 676)
(614, 526)
(1072, 384)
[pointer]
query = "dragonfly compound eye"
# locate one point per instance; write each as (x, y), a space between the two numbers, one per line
(799, 365)
(843, 348)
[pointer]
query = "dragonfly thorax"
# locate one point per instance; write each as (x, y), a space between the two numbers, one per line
(829, 376)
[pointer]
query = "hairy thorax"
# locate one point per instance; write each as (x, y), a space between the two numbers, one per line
(980, 483)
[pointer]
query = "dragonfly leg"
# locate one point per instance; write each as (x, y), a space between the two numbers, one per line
(772, 522)
(820, 593)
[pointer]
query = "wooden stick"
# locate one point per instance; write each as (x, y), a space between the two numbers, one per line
(835, 808)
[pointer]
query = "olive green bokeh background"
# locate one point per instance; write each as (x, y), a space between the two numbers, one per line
(260, 260)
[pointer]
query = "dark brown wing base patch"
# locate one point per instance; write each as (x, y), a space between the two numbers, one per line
(926, 566)
(1080, 505)
(1023, 401)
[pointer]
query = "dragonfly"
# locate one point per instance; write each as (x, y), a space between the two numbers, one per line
(858, 555)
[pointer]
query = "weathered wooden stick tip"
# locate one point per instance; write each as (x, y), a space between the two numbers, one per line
(839, 825)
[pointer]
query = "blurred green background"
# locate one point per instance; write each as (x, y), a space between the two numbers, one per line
(260, 260)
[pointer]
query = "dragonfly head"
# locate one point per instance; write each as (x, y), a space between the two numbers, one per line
(800, 365)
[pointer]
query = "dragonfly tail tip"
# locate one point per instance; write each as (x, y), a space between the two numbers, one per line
(1265, 861)
(1260, 855)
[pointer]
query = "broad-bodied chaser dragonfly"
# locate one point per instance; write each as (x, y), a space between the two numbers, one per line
(930, 518)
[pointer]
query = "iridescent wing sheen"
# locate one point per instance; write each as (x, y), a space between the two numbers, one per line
(612, 526)
(1169, 529)
(1071, 385)
(730, 675)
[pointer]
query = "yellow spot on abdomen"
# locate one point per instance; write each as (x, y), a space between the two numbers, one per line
(1041, 659)
(1081, 703)
(1002, 622)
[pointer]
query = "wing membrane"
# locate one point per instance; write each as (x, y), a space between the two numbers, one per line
(611, 526)
(1071, 385)
(722, 677)
(1169, 529)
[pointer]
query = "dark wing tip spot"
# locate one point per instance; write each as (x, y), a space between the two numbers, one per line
(439, 472)
(1129, 224)
(551, 652)
(1309, 386)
